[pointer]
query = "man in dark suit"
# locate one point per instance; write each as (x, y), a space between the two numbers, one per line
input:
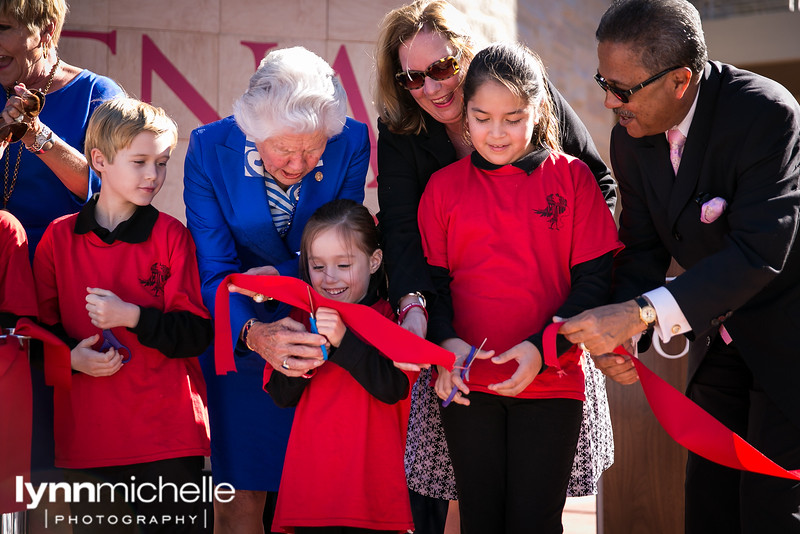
(725, 206)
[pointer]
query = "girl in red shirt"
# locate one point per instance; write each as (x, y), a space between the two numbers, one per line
(343, 471)
(514, 234)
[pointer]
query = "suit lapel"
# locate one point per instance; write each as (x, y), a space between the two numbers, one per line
(248, 198)
(694, 150)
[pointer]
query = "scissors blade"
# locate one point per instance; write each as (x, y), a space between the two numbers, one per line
(468, 366)
(310, 302)
(313, 322)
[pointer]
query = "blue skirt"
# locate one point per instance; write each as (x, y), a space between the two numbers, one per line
(248, 432)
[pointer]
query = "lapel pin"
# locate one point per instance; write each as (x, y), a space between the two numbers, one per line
(318, 176)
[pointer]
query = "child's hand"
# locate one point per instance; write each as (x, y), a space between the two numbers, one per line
(88, 361)
(106, 310)
(448, 380)
(530, 363)
(330, 325)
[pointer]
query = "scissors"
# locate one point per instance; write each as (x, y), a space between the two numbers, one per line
(313, 321)
(464, 372)
(110, 340)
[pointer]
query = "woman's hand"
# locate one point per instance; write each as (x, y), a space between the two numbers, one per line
(287, 346)
(415, 322)
(265, 270)
(330, 325)
(530, 363)
(107, 310)
(88, 361)
(448, 380)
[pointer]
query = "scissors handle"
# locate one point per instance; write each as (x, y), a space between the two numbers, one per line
(110, 340)
(315, 331)
(472, 352)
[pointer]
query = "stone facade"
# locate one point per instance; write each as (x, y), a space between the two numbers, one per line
(194, 57)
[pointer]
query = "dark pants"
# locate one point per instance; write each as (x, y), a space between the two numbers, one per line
(720, 499)
(131, 516)
(512, 460)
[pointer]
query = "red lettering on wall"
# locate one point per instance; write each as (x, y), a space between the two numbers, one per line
(153, 60)
(344, 69)
(108, 38)
(259, 50)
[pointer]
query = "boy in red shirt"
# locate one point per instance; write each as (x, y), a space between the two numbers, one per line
(136, 411)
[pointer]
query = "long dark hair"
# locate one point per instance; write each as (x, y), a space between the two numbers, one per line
(355, 224)
(520, 70)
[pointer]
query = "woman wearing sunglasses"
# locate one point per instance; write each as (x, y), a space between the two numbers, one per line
(424, 50)
(45, 108)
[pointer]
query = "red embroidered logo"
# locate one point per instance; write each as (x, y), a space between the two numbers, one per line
(159, 273)
(556, 206)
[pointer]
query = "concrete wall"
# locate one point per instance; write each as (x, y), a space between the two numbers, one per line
(194, 57)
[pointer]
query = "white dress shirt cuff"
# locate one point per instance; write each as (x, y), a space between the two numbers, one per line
(670, 319)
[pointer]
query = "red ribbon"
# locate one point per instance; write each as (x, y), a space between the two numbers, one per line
(397, 343)
(16, 398)
(691, 426)
(57, 359)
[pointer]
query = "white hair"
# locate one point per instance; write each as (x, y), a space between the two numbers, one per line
(292, 91)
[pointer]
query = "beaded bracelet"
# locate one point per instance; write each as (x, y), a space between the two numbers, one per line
(404, 311)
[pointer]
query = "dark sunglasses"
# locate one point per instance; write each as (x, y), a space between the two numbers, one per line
(624, 95)
(439, 70)
(32, 105)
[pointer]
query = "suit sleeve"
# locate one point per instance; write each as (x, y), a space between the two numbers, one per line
(217, 256)
(399, 193)
(762, 218)
(642, 265)
(576, 141)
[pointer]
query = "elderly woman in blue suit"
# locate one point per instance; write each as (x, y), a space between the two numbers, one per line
(251, 182)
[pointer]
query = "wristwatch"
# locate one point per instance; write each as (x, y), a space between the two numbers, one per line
(44, 141)
(647, 313)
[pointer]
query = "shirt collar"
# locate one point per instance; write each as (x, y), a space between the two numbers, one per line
(528, 163)
(686, 123)
(136, 229)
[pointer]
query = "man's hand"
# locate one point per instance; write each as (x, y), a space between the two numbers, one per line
(604, 328)
(617, 367)
(287, 346)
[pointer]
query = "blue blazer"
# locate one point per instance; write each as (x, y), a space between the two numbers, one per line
(228, 213)
(229, 218)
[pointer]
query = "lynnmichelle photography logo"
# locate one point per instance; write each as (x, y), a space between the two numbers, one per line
(131, 492)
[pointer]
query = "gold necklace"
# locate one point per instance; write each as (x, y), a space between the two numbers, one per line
(9, 189)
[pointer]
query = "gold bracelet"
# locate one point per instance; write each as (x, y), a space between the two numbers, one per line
(246, 332)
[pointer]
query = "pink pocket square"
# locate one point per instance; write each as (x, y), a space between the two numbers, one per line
(711, 210)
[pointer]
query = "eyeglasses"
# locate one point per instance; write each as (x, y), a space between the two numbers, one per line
(32, 105)
(439, 70)
(624, 95)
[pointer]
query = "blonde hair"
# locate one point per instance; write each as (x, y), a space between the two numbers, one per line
(37, 14)
(395, 105)
(115, 124)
